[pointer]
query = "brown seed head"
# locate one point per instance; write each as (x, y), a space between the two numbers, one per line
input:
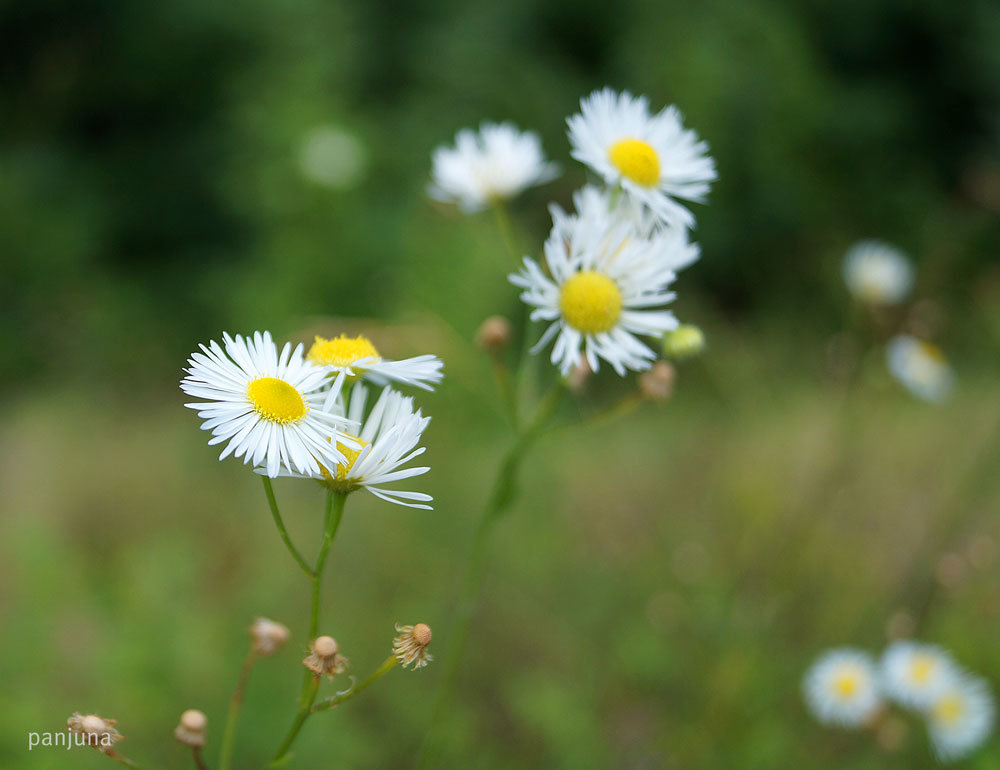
(658, 383)
(325, 646)
(494, 334)
(191, 729)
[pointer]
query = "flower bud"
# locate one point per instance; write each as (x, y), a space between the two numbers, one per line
(410, 647)
(191, 728)
(684, 342)
(577, 378)
(657, 384)
(96, 731)
(268, 636)
(494, 334)
(324, 657)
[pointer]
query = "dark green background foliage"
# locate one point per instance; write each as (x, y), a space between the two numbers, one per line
(663, 580)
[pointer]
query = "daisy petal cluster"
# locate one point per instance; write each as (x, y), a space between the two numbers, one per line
(845, 687)
(493, 164)
(877, 273)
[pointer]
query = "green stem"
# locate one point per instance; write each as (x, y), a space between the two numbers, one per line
(122, 760)
(508, 393)
(331, 523)
(229, 732)
(504, 489)
(273, 503)
(506, 230)
(336, 700)
(199, 760)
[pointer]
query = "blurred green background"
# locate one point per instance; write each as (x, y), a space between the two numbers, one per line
(172, 170)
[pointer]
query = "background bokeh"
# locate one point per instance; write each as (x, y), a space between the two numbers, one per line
(172, 170)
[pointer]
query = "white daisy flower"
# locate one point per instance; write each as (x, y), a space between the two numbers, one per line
(603, 282)
(921, 367)
(877, 273)
(841, 688)
(914, 674)
(961, 717)
(272, 409)
(653, 157)
(357, 356)
(388, 440)
(494, 164)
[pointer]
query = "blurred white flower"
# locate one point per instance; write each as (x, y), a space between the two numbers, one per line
(358, 357)
(598, 291)
(914, 674)
(921, 367)
(961, 717)
(653, 157)
(494, 164)
(387, 441)
(271, 408)
(841, 688)
(333, 157)
(877, 273)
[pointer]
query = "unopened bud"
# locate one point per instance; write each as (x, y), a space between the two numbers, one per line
(410, 647)
(657, 384)
(324, 657)
(494, 334)
(191, 728)
(268, 636)
(578, 375)
(683, 342)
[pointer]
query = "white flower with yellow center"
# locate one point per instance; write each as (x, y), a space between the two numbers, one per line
(961, 717)
(914, 674)
(604, 283)
(841, 688)
(273, 410)
(388, 440)
(877, 273)
(358, 357)
(492, 165)
(921, 367)
(653, 157)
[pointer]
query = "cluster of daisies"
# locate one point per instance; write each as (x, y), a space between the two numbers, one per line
(330, 413)
(606, 270)
(881, 276)
(848, 688)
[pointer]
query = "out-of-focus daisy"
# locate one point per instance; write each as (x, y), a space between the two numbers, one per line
(494, 164)
(388, 440)
(914, 674)
(653, 157)
(921, 367)
(269, 407)
(668, 243)
(841, 688)
(357, 356)
(333, 157)
(604, 283)
(961, 717)
(877, 273)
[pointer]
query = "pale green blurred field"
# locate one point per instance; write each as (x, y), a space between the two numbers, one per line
(653, 599)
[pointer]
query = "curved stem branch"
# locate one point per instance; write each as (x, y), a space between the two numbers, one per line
(273, 504)
(387, 665)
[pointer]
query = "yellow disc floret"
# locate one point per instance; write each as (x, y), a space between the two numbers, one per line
(921, 668)
(341, 351)
(275, 400)
(338, 480)
(591, 302)
(949, 709)
(637, 161)
(846, 684)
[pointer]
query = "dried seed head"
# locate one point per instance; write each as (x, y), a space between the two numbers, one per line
(683, 342)
(98, 732)
(494, 334)
(268, 636)
(191, 728)
(410, 646)
(324, 657)
(657, 384)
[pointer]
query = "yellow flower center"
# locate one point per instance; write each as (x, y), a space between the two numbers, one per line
(846, 684)
(276, 400)
(337, 480)
(590, 302)
(636, 160)
(949, 709)
(341, 351)
(933, 352)
(921, 668)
